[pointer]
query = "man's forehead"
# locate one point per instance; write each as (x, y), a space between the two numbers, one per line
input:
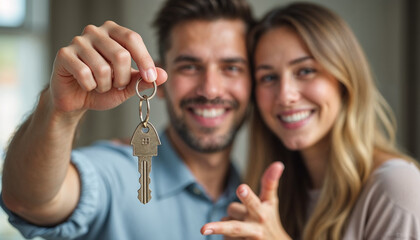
(207, 55)
(209, 23)
(200, 40)
(234, 58)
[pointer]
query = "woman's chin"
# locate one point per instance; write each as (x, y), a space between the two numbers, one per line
(295, 145)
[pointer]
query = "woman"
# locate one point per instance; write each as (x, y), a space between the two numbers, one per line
(320, 113)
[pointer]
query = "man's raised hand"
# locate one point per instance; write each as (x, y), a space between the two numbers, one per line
(94, 71)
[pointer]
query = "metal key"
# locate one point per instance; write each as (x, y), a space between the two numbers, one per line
(145, 142)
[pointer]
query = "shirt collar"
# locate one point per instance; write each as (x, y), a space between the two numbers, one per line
(233, 182)
(172, 175)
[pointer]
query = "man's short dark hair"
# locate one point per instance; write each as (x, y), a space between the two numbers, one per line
(174, 12)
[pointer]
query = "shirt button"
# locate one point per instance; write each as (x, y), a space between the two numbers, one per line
(196, 191)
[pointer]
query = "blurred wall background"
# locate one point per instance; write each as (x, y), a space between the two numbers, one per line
(388, 30)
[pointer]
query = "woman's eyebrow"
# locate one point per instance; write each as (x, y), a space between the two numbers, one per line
(301, 59)
(263, 67)
(294, 61)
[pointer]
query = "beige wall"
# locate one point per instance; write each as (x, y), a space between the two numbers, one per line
(379, 25)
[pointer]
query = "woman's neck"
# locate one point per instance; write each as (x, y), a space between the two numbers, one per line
(315, 159)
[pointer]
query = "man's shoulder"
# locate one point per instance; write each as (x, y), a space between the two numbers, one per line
(106, 147)
(105, 156)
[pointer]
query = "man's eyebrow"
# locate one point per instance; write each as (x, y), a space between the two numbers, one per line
(186, 58)
(189, 58)
(235, 60)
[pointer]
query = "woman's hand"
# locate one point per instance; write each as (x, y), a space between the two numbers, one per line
(256, 217)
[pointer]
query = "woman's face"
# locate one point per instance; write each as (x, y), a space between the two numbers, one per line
(297, 98)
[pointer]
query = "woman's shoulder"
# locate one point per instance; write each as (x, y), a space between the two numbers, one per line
(388, 206)
(398, 180)
(396, 170)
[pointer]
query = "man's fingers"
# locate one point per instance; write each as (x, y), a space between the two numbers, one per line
(231, 229)
(270, 181)
(135, 75)
(162, 76)
(99, 66)
(118, 57)
(76, 69)
(133, 42)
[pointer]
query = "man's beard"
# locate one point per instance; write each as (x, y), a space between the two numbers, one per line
(215, 144)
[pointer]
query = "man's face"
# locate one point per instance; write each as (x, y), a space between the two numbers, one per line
(209, 84)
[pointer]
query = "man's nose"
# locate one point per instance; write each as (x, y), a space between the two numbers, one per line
(211, 84)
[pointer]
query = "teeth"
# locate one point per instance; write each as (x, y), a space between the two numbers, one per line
(209, 112)
(296, 117)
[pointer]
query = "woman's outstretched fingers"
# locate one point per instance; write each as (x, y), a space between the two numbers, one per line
(237, 211)
(257, 217)
(250, 200)
(270, 182)
(231, 229)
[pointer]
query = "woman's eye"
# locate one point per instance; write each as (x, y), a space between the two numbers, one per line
(268, 78)
(305, 72)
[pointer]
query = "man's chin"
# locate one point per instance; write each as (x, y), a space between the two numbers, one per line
(207, 144)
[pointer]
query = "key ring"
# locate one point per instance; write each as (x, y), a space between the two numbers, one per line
(145, 96)
(145, 121)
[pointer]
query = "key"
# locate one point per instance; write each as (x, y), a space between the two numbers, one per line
(145, 141)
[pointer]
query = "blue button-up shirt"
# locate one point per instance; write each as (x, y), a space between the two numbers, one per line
(109, 208)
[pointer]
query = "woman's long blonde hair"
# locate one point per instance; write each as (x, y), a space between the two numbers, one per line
(365, 124)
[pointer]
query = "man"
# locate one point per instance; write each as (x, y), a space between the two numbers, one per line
(91, 193)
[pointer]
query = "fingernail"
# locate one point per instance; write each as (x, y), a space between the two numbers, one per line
(208, 232)
(151, 74)
(282, 164)
(243, 192)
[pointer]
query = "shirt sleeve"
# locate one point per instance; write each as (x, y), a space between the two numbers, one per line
(394, 209)
(78, 223)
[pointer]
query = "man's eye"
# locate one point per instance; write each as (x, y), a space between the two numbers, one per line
(233, 68)
(188, 67)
